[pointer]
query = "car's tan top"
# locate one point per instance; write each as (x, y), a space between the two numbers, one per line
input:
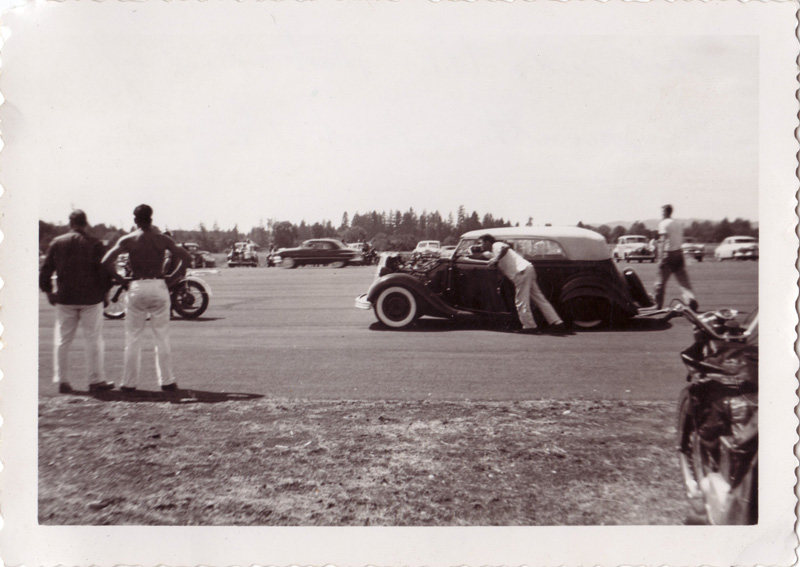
(578, 243)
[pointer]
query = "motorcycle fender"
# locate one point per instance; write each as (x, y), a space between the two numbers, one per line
(200, 281)
(412, 283)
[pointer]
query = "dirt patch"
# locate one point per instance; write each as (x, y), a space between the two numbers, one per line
(183, 461)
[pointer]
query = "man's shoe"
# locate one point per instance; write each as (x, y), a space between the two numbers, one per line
(64, 388)
(559, 329)
(101, 387)
(127, 389)
(529, 331)
(170, 387)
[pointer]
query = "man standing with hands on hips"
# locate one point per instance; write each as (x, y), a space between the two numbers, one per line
(80, 288)
(147, 296)
(670, 234)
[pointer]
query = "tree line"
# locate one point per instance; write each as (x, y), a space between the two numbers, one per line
(392, 230)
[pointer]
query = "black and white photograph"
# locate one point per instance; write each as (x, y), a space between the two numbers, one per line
(349, 282)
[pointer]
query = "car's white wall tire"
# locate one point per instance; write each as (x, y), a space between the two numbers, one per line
(396, 307)
(288, 263)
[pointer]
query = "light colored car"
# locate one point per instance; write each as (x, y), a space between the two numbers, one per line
(693, 249)
(634, 247)
(427, 248)
(737, 248)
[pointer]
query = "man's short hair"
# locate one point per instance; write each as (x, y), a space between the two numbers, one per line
(667, 209)
(78, 218)
(143, 214)
(487, 238)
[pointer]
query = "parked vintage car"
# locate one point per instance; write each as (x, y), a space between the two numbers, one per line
(573, 266)
(200, 258)
(693, 249)
(318, 251)
(737, 248)
(634, 247)
(243, 254)
(427, 249)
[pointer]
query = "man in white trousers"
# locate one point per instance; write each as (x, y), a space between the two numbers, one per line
(75, 257)
(147, 297)
(521, 273)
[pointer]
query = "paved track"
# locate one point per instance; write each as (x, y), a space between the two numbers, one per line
(296, 334)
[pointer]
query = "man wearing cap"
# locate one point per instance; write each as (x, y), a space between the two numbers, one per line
(80, 289)
(148, 297)
(670, 235)
(521, 273)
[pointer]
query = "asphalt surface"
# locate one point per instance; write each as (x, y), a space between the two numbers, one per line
(296, 334)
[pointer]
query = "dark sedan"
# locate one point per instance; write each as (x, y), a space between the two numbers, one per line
(318, 251)
(573, 266)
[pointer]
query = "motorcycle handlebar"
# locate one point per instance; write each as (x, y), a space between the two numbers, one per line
(683, 309)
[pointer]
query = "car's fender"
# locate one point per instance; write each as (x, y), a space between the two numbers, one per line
(592, 286)
(430, 303)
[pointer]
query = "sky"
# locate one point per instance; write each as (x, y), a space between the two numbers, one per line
(304, 111)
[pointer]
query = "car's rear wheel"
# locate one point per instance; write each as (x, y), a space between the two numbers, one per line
(288, 263)
(587, 312)
(396, 307)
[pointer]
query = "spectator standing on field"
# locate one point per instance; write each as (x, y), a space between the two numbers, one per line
(670, 233)
(81, 285)
(147, 297)
(521, 273)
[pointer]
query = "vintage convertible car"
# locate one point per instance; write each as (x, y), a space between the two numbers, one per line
(573, 266)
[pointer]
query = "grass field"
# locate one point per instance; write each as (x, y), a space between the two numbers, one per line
(203, 459)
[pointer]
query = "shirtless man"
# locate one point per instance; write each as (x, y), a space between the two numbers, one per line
(147, 296)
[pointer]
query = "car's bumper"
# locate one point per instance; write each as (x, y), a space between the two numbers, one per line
(749, 255)
(362, 302)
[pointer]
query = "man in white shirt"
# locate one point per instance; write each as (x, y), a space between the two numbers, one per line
(670, 235)
(521, 273)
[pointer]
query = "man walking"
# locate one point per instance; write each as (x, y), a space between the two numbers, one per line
(80, 288)
(670, 234)
(521, 273)
(147, 297)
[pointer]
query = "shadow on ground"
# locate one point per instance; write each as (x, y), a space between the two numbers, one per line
(179, 397)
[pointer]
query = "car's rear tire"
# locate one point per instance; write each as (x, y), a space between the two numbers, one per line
(288, 263)
(587, 312)
(397, 307)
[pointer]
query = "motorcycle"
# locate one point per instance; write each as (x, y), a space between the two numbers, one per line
(188, 293)
(718, 417)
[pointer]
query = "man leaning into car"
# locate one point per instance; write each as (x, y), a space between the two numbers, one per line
(523, 276)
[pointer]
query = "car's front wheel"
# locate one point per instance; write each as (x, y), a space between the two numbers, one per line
(288, 263)
(396, 307)
(339, 264)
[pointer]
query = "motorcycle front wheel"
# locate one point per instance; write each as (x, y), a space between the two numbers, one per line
(189, 299)
(115, 302)
(709, 493)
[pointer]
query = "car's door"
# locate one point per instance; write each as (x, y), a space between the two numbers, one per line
(474, 285)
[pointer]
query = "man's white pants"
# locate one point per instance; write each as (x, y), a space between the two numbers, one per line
(90, 319)
(147, 297)
(525, 290)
